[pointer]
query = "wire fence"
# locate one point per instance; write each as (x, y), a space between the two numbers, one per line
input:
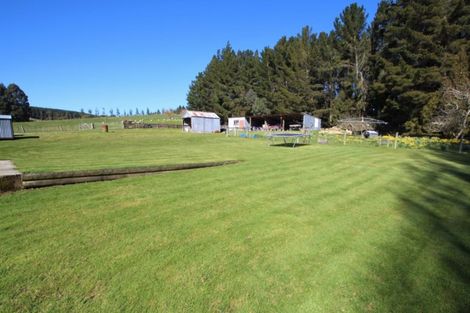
(395, 142)
(38, 127)
(32, 128)
(387, 141)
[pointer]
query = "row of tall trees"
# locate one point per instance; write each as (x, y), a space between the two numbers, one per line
(13, 101)
(394, 69)
(130, 112)
(41, 113)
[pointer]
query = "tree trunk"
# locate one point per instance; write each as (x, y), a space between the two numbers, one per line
(461, 144)
(462, 133)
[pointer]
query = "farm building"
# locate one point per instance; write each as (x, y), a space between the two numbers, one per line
(200, 122)
(238, 123)
(311, 122)
(6, 127)
(290, 121)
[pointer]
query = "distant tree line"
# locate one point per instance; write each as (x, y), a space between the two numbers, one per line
(59, 114)
(55, 114)
(130, 112)
(396, 69)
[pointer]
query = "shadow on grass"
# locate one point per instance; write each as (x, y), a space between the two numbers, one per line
(17, 137)
(289, 145)
(425, 266)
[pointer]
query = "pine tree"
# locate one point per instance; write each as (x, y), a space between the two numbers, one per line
(287, 73)
(248, 78)
(353, 43)
(406, 62)
(198, 96)
(456, 34)
(326, 77)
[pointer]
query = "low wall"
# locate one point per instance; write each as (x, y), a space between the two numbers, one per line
(36, 180)
(10, 178)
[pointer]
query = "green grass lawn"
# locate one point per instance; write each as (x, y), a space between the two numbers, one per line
(318, 228)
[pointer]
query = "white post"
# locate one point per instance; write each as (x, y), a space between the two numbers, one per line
(396, 139)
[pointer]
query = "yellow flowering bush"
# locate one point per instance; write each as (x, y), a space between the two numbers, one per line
(403, 142)
(424, 142)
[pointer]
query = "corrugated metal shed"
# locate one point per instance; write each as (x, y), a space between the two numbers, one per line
(200, 122)
(6, 127)
(188, 113)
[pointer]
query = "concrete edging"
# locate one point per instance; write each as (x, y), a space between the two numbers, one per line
(10, 178)
(37, 180)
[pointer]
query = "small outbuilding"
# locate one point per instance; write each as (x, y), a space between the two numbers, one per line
(200, 122)
(238, 123)
(6, 127)
(311, 122)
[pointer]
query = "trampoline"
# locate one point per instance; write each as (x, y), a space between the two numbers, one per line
(289, 138)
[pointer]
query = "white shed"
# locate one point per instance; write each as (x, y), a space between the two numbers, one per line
(200, 122)
(238, 123)
(311, 122)
(6, 127)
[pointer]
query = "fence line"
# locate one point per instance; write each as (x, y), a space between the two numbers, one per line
(390, 142)
(395, 142)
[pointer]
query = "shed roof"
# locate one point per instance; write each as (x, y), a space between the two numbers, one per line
(5, 117)
(188, 113)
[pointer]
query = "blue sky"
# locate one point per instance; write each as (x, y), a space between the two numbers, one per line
(128, 54)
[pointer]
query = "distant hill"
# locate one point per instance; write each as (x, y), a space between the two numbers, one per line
(55, 114)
